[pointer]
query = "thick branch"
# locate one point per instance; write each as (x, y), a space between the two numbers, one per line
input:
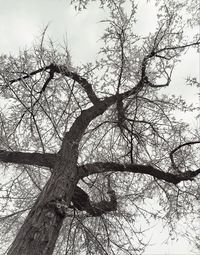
(64, 71)
(84, 83)
(101, 167)
(34, 159)
(81, 123)
(76, 77)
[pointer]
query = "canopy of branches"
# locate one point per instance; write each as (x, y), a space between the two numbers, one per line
(136, 161)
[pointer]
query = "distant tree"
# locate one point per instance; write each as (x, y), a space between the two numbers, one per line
(90, 152)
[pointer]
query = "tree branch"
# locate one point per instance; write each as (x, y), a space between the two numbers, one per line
(178, 47)
(101, 167)
(171, 155)
(34, 159)
(66, 72)
(79, 126)
(29, 75)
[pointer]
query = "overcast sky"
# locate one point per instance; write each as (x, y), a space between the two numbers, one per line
(22, 22)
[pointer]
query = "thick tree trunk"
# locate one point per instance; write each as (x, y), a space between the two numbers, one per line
(38, 234)
(40, 230)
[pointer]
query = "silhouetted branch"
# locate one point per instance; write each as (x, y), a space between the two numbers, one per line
(66, 72)
(102, 167)
(171, 155)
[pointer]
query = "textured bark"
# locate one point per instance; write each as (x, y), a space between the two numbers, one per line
(35, 159)
(40, 230)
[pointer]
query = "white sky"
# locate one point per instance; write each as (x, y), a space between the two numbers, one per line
(22, 22)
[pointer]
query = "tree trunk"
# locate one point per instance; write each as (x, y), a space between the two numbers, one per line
(38, 234)
(40, 230)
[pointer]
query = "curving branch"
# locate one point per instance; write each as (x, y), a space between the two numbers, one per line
(171, 154)
(62, 69)
(82, 121)
(102, 167)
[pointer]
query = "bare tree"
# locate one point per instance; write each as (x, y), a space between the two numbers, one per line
(83, 148)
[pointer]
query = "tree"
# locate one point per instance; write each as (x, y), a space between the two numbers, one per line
(83, 148)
